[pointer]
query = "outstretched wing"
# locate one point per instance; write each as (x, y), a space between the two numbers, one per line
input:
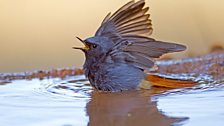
(128, 28)
(141, 54)
(128, 22)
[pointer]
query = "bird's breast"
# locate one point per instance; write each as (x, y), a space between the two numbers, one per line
(114, 76)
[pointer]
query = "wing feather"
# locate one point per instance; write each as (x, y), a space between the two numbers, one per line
(137, 59)
(130, 19)
(129, 28)
(140, 60)
(129, 13)
(145, 23)
(154, 49)
(126, 6)
(134, 20)
(106, 18)
(142, 54)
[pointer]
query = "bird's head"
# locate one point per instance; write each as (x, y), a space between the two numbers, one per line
(95, 46)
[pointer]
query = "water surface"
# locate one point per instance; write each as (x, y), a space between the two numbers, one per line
(72, 102)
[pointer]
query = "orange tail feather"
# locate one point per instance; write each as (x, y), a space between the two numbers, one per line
(156, 80)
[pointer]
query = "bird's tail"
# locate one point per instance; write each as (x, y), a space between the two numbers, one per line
(164, 81)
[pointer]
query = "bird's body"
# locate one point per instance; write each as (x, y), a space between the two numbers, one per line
(121, 50)
(114, 76)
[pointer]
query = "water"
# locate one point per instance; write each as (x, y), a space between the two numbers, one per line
(72, 102)
(203, 107)
(29, 103)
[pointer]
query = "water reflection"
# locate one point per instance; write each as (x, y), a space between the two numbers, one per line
(126, 109)
(129, 108)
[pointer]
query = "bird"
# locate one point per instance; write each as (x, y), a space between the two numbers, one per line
(120, 52)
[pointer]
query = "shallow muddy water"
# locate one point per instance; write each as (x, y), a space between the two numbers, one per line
(72, 102)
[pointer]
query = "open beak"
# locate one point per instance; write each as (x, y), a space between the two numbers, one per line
(85, 48)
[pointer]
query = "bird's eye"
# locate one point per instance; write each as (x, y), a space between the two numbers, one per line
(94, 45)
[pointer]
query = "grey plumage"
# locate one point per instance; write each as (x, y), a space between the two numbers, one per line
(121, 49)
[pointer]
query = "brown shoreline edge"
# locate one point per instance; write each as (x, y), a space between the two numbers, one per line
(211, 64)
(41, 74)
(204, 67)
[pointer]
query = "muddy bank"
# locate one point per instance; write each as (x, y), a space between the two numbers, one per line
(211, 64)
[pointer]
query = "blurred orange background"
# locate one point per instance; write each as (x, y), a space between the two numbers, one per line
(39, 34)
